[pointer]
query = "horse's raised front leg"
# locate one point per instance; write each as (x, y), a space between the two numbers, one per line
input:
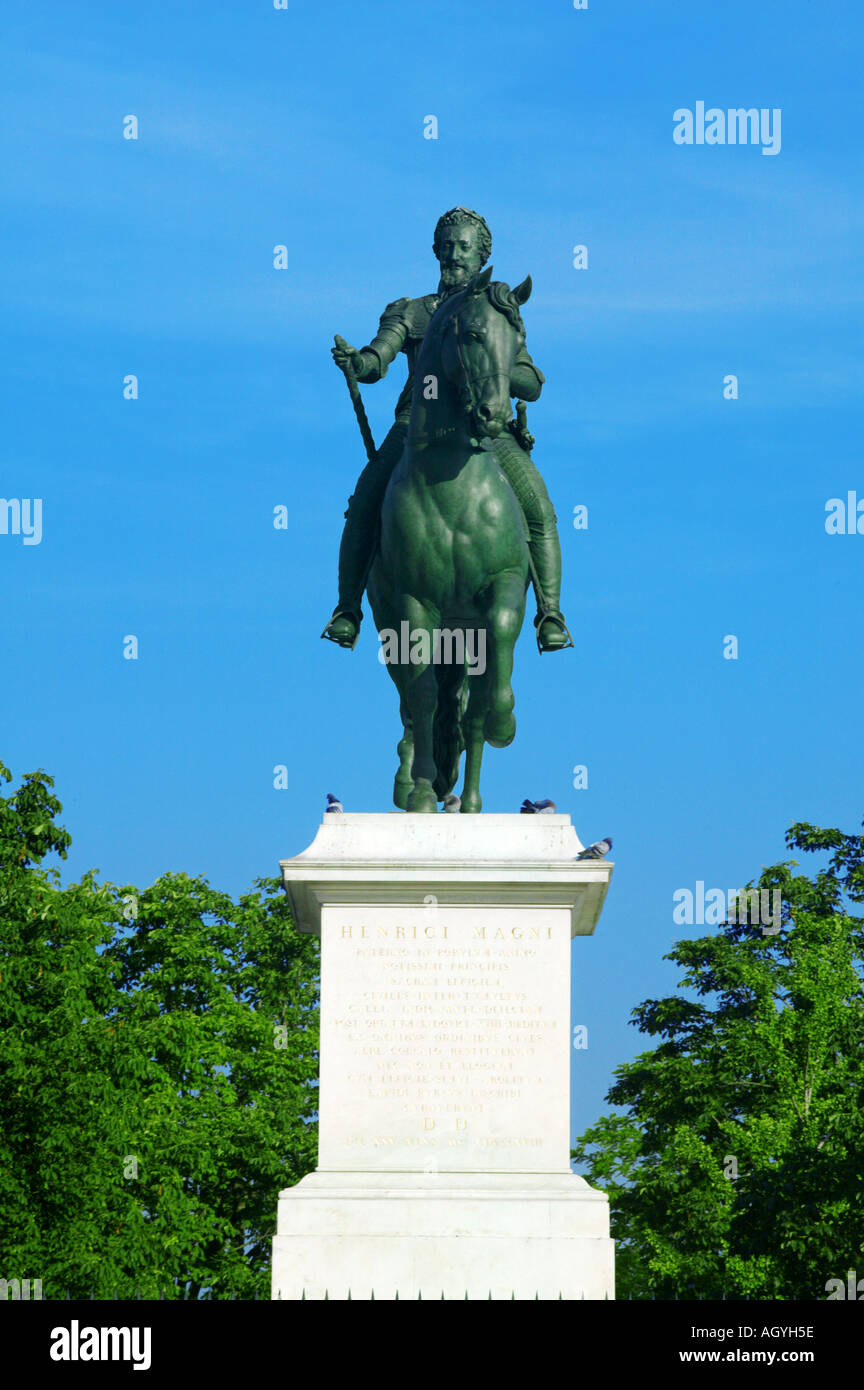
(503, 625)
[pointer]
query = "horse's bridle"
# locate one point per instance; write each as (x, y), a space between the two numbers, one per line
(467, 390)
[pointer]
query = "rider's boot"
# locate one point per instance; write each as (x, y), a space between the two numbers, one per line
(344, 627)
(511, 452)
(354, 555)
(360, 536)
(552, 632)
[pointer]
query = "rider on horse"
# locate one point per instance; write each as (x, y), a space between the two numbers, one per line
(462, 244)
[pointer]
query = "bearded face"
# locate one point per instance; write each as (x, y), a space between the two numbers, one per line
(459, 254)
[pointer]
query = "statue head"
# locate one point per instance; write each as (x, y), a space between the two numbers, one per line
(463, 244)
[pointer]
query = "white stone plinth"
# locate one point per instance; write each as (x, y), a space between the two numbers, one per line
(494, 859)
(424, 1235)
(443, 1161)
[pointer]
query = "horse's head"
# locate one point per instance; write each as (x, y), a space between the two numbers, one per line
(486, 333)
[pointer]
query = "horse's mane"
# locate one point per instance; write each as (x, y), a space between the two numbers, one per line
(500, 296)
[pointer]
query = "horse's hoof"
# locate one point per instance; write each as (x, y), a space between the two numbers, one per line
(472, 803)
(424, 800)
(500, 729)
(402, 789)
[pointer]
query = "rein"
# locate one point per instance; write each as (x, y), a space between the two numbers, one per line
(467, 389)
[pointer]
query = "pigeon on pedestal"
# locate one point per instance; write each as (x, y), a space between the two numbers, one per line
(598, 850)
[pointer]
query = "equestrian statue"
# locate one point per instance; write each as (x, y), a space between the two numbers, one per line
(450, 519)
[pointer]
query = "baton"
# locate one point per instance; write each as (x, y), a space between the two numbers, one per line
(357, 402)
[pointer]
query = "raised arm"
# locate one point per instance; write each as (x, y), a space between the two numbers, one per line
(371, 362)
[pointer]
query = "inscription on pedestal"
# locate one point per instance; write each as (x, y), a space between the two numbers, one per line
(445, 1038)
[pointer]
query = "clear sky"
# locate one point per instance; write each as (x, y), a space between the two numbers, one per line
(304, 127)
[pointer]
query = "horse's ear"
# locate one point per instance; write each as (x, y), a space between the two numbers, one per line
(480, 281)
(523, 291)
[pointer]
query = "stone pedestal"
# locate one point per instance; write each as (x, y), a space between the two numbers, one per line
(443, 1160)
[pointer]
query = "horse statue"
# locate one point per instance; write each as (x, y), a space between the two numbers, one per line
(450, 574)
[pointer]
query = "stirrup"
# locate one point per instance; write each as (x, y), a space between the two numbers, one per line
(355, 615)
(555, 616)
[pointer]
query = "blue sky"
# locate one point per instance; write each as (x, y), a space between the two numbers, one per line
(706, 516)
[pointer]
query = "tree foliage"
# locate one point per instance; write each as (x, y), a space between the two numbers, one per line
(159, 1064)
(760, 1075)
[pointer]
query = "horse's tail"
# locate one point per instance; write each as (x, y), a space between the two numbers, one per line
(448, 739)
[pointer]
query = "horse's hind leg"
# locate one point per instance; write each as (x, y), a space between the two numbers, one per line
(385, 614)
(403, 784)
(421, 698)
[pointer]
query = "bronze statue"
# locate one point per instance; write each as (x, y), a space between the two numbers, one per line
(450, 517)
(462, 244)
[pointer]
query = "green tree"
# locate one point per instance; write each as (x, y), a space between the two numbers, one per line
(737, 1167)
(159, 1065)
